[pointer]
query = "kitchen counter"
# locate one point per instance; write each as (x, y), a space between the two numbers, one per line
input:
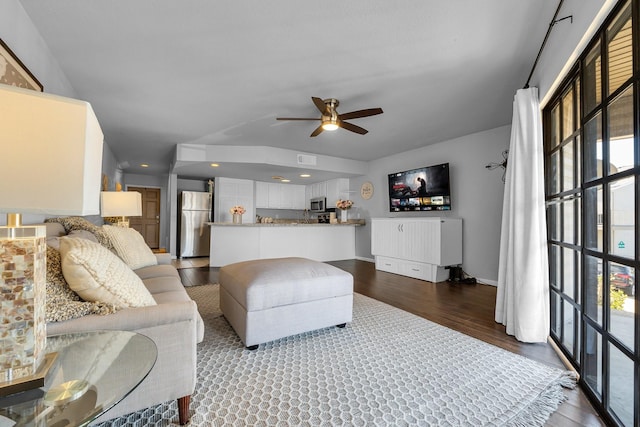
(284, 224)
(242, 242)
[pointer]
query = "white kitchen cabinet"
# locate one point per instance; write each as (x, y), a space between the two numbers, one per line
(262, 194)
(417, 247)
(230, 192)
(276, 196)
(289, 196)
(319, 189)
(337, 189)
(332, 190)
(298, 194)
(307, 196)
(280, 196)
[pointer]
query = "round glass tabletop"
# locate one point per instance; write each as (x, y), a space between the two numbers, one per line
(91, 373)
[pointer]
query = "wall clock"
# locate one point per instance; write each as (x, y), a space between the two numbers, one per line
(366, 190)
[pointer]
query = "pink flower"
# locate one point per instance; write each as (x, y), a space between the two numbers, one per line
(237, 210)
(344, 204)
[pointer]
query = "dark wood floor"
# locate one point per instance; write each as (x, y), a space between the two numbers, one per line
(467, 308)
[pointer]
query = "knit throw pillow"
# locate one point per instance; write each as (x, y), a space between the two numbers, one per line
(130, 246)
(96, 274)
(62, 303)
(73, 223)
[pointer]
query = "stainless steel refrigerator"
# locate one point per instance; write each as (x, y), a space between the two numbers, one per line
(195, 212)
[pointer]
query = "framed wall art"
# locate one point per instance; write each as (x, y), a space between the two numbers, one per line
(366, 190)
(13, 72)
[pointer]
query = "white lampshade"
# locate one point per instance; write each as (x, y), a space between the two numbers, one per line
(50, 155)
(50, 164)
(120, 203)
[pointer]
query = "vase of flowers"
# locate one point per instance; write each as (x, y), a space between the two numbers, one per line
(237, 212)
(344, 206)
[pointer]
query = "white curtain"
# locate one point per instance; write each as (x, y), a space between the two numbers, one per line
(522, 302)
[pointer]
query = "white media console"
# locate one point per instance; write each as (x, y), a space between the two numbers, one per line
(417, 247)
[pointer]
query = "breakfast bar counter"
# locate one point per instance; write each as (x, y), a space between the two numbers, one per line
(242, 242)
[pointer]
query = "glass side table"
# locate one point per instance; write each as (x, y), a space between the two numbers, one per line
(92, 372)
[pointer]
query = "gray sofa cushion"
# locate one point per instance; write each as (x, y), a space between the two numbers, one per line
(157, 271)
(157, 285)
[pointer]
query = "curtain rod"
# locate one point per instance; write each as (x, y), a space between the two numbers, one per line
(553, 22)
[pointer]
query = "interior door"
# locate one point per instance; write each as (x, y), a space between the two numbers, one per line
(149, 223)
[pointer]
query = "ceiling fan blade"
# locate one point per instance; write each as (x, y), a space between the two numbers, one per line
(360, 113)
(317, 132)
(353, 128)
(296, 118)
(319, 104)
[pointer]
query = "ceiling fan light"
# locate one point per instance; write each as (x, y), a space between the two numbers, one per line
(329, 125)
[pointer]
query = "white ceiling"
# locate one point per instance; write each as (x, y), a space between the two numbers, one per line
(165, 72)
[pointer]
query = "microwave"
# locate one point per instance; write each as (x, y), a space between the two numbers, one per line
(318, 204)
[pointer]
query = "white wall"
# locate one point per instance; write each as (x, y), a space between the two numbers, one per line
(476, 195)
(19, 33)
(172, 207)
(110, 168)
(567, 41)
(185, 184)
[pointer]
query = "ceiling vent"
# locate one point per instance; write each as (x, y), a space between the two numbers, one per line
(305, 159)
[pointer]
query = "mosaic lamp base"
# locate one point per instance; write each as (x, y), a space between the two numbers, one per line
(23, 335)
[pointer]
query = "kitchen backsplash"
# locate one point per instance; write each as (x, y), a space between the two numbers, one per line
(292, 214)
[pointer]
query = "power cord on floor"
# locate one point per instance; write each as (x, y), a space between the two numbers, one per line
(458, 275)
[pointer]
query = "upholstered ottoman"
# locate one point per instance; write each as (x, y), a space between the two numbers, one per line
(268, 299)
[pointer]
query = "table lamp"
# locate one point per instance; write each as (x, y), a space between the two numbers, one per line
(122, 204)
(50, 165)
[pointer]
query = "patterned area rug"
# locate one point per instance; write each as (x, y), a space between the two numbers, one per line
(388, 367)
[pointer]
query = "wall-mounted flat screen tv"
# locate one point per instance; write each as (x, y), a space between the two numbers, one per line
(423, 189)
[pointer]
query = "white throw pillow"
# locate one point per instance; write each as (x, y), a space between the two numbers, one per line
(130, 246)
(96, 274)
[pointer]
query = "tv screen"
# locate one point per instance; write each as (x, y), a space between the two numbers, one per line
(423, 189)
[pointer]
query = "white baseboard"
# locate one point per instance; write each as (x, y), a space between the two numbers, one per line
(478, 279)
(487, 282)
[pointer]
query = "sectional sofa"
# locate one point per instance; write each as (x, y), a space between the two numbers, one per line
(170, 319)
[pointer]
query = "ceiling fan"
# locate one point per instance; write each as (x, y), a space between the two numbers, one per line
(331, 120)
